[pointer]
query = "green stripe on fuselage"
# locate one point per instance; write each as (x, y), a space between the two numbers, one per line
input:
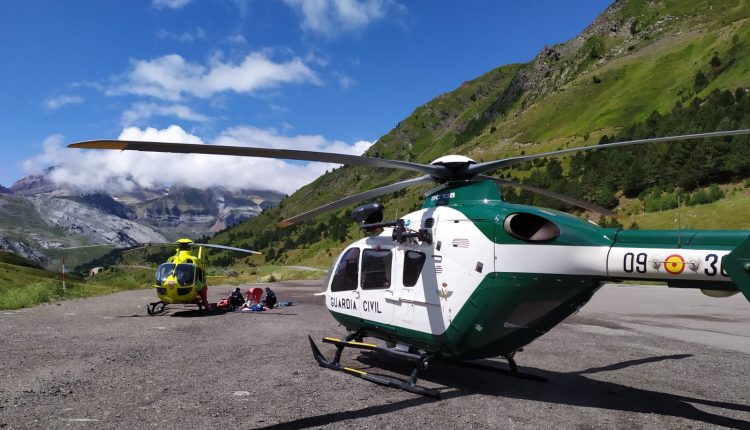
(505, 312)
(686, 239)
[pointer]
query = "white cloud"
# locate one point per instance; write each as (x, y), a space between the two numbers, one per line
(141, 111)
(60, 101)
(123, 170)
(345, 81)
(169, 4)
(278, 109)
(171, 77)
(236, 38)
(185, 37)
(331, 17)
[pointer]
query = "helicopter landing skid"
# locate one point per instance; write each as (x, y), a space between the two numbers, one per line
(512, 372)
(155, 308)
(418, 361)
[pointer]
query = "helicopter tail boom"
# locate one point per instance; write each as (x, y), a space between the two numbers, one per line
(716, 262)
(737, 266)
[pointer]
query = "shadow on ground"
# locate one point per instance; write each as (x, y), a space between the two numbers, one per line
(573, 389)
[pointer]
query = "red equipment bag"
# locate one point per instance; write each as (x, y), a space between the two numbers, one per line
(254, 294)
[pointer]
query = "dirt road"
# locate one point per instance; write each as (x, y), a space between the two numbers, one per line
(635, 357)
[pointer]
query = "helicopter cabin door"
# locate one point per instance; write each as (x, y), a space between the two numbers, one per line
(343, 291)
(375, 282)
(418, 301)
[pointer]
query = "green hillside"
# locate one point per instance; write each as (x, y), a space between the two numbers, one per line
(24, 284)
(641, 69)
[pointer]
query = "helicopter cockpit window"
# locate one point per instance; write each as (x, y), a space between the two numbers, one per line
(185, 274)
(376, 269)
(345, 276)
(163, 272)
(413, 262)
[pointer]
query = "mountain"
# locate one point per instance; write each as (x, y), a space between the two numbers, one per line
(642, 68)
(39, 217)
(38, 184)
(189, 209)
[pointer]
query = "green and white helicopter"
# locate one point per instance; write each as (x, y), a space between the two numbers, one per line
(471, 276)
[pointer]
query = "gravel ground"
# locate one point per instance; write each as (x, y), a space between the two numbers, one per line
(635, 357)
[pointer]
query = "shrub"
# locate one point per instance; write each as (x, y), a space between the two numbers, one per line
(701, 81)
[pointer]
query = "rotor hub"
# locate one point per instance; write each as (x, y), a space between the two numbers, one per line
(457, 166)
(453, 160)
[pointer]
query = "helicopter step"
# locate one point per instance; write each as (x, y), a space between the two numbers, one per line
(419, 361)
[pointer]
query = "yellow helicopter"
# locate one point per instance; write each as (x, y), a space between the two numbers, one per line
(182, 279)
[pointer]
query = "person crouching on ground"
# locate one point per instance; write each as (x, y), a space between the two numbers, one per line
(270, 300)
(236, 300)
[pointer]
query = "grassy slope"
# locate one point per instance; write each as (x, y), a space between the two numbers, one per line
(653, 78)
(25, 286)
(22, 286)
(729, 213)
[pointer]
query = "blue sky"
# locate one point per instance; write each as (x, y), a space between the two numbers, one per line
(330, 75)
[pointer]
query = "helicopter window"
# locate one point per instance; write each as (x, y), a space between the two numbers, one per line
(376, 269)
(345, 276)
(185, 274)
(163, 272)
(413, 262)
(530, 227)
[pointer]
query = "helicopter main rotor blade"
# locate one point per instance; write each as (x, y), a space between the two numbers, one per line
(85, 246)
(243, 151)
(228, 248)
(376, 192)
(492, 165)
(562, 197)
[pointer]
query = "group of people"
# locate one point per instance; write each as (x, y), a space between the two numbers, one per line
(253, 300)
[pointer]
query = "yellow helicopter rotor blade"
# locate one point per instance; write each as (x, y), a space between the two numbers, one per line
(228, 248)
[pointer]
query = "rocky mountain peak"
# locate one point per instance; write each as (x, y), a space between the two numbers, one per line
(41, 208)
(37, 184)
